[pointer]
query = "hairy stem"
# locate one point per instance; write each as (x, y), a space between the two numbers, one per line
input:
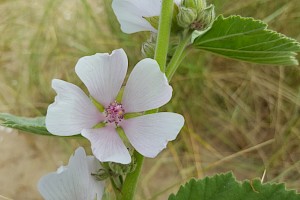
(131, 180)
(161, 52)
(164, 30)
(178, 56)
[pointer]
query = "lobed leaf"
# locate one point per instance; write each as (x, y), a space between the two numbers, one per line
(249, 40)
(225, 187)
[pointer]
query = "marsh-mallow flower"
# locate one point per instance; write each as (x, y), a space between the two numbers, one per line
(74, 181)
(147, 88)
(132, 13)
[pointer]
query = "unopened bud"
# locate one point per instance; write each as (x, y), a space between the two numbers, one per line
(198, 5)
(207, 16)
(101, 175)
(148, 47)
(204, 19)
(186, 17)
(121, 169)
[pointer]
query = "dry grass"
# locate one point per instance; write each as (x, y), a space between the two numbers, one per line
(240, 117)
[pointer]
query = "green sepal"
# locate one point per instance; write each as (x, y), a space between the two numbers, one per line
(154, 21)
(97, 104)
(123, 136)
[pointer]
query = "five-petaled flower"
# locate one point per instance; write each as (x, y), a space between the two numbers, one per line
(131, 14)
(147, 88)
(74, 181)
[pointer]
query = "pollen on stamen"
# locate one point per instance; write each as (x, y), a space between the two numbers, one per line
(114, 113)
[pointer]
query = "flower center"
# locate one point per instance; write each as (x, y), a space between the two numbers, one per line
(114, 113)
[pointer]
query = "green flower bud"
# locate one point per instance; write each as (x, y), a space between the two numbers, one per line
(198, 5)
(121, 169)
(101, 175)
(148, 47)
(207, 16)
(186, 17)
(204, 19)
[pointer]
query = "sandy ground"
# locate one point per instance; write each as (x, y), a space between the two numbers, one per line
(24, 159)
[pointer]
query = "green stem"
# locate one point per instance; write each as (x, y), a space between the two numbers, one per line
(116, 189)
(178, 56)
(161, 51)
(131, 180)
(164, 30)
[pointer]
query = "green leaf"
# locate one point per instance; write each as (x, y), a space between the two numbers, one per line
(225, 187)
(32, 125)
(248, 40)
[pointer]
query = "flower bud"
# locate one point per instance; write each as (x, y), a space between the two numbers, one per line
(198, 5)
(121, 169)
(204, 19)
(101, 175)
(207, 16)
(148, 47)
(186, 17)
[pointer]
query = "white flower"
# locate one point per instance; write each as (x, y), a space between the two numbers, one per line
(103, 74)
(131, 13)
(74, 181)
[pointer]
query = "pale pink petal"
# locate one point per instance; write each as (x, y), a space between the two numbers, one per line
(71, 111)
(94, 185)
(103, 74)
(147, 87)
(107, 145)
(130, 14)
(149, 134)
(72, 182)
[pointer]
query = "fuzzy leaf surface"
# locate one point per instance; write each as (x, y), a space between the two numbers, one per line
(225, 187)
(32, 125)
(248, 40)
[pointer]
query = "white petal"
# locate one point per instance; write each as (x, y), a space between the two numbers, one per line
(130, 14)
(93, 166)
(103, 74)
(147, 87)
(107, 146)
(71, 111)
(73, 182)
(149, 134)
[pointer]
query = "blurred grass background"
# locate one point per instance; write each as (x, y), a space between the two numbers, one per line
(240, 117)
